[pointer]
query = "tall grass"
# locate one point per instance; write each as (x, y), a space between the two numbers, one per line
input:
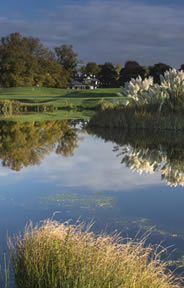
(5, 272)
(60, 255)
(143, 117)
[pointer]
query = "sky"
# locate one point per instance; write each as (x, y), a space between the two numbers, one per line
(147, 31)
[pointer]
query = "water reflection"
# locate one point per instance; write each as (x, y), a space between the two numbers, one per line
(146, 151)
(24, 144)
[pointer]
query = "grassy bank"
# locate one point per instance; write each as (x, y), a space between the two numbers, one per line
(60, 255)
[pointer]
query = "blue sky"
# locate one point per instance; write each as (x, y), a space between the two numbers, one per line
(103, 30)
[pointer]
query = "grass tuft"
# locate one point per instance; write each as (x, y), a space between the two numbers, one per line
(60, 255)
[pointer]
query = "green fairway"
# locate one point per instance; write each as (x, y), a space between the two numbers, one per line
(55, 92)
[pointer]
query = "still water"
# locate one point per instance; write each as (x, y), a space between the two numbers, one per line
(127, 181)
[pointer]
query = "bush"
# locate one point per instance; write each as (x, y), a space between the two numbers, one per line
(103, 105)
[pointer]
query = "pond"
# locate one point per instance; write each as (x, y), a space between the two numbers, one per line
(126, 181)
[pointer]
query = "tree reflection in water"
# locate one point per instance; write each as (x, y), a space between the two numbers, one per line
(146, 151)
(24, 144)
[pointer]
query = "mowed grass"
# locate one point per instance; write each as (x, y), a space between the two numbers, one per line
(64, 256)
(55, 92)
(45, 93)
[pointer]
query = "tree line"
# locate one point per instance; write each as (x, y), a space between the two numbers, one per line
(24, 61)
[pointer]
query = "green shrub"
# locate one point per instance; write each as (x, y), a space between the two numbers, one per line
(103, 105)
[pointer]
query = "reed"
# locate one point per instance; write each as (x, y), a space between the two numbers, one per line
(60, 255)
(143, 117)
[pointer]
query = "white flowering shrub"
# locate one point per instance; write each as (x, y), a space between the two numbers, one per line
(172, 84)
(170, 90)
(136, 90)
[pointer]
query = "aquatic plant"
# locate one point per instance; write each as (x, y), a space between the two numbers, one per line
(61, 255)
(95, 200)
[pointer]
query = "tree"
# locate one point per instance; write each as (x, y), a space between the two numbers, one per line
(118, 68)
(107, 76)
(51, 74)
(157, 70)
(182, 67)
(24, 61)
(18, 60)
(91, 69)
(131, 70)
(67, 58)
